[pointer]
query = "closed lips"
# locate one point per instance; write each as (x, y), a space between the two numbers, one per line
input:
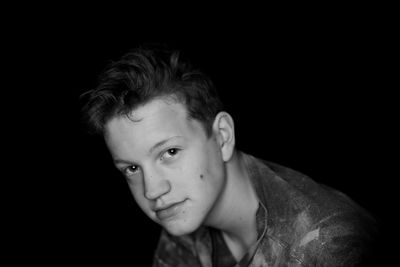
(169, 211)
(168, 206)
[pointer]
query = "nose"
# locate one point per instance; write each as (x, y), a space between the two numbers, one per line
(155, 186)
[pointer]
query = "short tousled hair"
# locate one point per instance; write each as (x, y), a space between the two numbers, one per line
(143, 75)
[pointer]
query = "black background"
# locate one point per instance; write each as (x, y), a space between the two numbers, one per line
(308, 90)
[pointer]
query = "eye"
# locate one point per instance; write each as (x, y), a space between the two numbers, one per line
(130, 170)
(170, 153)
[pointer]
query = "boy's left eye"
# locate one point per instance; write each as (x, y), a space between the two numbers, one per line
(169, 153)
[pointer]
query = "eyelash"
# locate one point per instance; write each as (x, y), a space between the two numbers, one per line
(162, 158)
(127, 169)
(177, 150)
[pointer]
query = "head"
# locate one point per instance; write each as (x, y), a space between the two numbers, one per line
(165, 129)
(143, 75)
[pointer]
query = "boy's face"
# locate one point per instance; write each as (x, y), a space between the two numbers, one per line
(174, 171)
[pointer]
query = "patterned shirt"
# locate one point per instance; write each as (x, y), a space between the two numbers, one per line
(299, 223)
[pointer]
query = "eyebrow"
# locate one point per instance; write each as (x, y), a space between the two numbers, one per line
(163, 142)
(157, 145)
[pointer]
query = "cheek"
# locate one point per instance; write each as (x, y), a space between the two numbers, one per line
(138, 195)
(210, 179)
(214, 168)
(209, 169)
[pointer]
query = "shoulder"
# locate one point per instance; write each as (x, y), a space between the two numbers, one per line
(315, 224)
(341, 239)
(320, 203)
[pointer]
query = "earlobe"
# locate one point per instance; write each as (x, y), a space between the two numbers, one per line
(224, 130)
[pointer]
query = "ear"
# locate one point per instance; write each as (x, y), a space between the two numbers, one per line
(224, 131)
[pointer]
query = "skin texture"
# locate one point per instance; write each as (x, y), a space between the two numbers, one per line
(168, 159)
(188, 168)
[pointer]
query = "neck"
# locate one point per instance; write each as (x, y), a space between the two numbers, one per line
(235, 211)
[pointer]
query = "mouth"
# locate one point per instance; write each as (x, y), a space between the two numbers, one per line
(169, 211)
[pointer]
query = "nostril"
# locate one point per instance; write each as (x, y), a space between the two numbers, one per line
(156, 189)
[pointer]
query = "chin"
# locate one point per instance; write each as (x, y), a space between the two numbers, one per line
(180, 227)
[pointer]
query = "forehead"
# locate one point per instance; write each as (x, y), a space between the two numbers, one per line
(157, 119)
